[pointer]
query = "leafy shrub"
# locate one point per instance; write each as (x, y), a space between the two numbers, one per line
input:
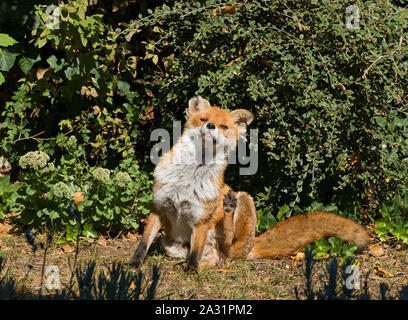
(329, 100)
(316, 87)
(105, 200)
(394, 220)
(266, 218)
(334, 247)
(8, 196)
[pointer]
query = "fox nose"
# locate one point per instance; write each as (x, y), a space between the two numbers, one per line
(210, 125)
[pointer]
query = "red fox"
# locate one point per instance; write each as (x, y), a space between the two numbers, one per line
(203, 219)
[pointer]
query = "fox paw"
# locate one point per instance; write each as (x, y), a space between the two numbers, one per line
(135, 262)
(229, 202)
(186, 267)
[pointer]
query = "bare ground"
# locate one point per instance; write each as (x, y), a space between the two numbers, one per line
(239, 279)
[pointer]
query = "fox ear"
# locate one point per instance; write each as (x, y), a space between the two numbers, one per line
(196, 104)
(243, 118)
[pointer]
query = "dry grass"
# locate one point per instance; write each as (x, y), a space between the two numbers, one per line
(239, 279)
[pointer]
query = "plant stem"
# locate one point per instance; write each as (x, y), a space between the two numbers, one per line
(43, 266)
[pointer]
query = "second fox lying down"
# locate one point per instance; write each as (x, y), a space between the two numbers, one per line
(203, 219)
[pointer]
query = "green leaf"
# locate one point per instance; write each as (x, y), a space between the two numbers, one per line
(155, 59)
(3, 211)
(27, 63)
(321, 247)
(53, 62)
(30, 191)
(6, 40)
(349, 249)
(126, 199)
(265, 220)
(336, 245)
(284, 210)
(334, 242)
(99, 212)
(134, 224)
(71, 232)
(381, 121)
(2, 80)
(89, 231)
(70, 72)
(381, 233)
(7, 60)
(123, 86)
(53, 214)
(4, 182)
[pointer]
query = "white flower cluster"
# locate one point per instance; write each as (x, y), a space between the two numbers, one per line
(123, 179)
(36, 160)
(61, 190)
(101, 175)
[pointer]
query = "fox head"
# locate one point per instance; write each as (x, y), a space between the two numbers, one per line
(216, 129)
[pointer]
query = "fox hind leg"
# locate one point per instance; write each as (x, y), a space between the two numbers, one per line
(229, 205)
(239, 224)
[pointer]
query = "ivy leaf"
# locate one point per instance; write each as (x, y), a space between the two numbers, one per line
(6, 40)
(265, 221)
(335, 246)
(71, 233)
(349, 249)
(123, 86)
(284, 210)
(321, 247)
(89, 231)
(7, 60)
(53, 62)
(2, 80)
(26, 63)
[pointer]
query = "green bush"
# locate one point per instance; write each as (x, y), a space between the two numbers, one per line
(334, 247)
(105, 200)
(394, 221)
(330, 101)
(8, 196)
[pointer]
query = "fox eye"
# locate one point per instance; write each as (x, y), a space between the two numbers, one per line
(224, 127)
(203, 120)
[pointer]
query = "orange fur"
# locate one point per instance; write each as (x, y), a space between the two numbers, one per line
(287, 236)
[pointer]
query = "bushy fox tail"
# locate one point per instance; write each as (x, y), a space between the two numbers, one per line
(295, 233)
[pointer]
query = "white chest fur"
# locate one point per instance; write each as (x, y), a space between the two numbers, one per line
(184, 183)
